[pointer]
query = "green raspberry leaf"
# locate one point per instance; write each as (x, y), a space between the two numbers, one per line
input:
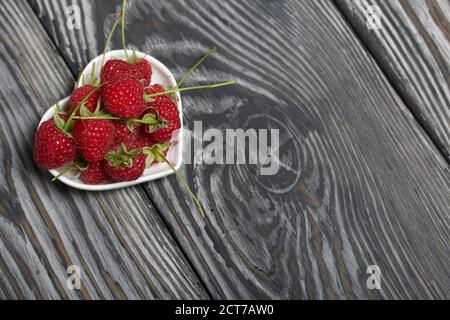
(148, 98)
(59, 123)
(82, 166)
(98, 107)
(150, 118)
(122, 156)
(147, 150)
(150, 159)
(159, 158)
(84, 111)
(150, 128)
(160, 124)
(163, 146)
(130, 126)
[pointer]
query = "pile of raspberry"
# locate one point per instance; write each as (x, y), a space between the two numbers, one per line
(113, 130)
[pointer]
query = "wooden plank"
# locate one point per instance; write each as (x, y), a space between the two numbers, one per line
(117, 239)
(413, 49)
(360, 183)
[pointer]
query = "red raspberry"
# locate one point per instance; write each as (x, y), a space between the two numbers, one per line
(124, 98)
(94, 174)
(94, 138)
(154, 89)
(144, 140)
(167, 111)
(123, 134)
(80, 93)
(142, 71)
(115, 69)
(125, 162)
(52, 147)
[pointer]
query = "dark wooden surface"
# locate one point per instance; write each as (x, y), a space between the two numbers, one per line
(413, 49)
(361, 183)
(121, 244)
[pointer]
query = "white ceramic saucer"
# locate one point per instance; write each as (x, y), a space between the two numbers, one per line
(160, 75)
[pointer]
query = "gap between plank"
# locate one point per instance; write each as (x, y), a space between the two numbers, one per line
(390, 81)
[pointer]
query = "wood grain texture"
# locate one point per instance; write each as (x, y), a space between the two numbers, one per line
(413, 49)
(360, 183)
(119, 241)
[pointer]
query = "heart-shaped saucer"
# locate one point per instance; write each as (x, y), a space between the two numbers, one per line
(161, 75)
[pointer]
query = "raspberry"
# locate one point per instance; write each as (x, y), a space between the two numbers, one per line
(80, 93)
(94, 173)
(116, 69)
(125, 162)
(53, 148)
(124, 98)
(94, 138)
(123, 134)
(167, 112)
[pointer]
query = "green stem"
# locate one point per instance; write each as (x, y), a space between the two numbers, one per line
(69, 121)
(66, 170)
(72, 115)
(140, 121)
(145, 121)
(79, 80)
(186, 76)
(109, 38)
(123, 28)
(207, 86)
(183, 183)
(92, 78)
(97, 118)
